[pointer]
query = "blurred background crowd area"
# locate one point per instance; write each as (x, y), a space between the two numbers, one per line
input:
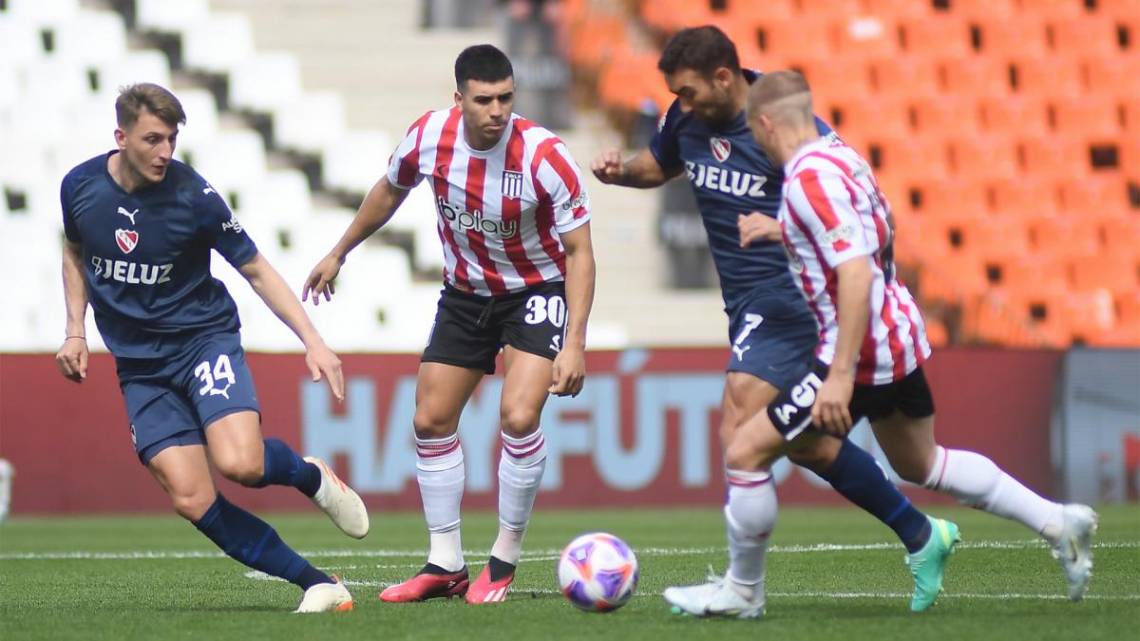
(1005, 134)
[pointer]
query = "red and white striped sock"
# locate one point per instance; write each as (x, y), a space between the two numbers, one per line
(441, 473)
(520, 475)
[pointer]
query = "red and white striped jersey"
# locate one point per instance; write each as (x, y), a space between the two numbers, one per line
(832, 212)
(502, 210)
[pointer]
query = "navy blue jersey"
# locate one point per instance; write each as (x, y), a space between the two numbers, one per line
(146, 256)
(731, 175)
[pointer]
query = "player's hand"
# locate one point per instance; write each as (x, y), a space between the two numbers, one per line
(72, 358)
(569, 372)
(320, 280)
(322, 361)
(756, 226)
(608, 166)
(830, 412)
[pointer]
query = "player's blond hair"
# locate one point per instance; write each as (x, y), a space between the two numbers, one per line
(784, 95)
(154, 98)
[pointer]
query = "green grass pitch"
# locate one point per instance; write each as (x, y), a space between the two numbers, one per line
(833, 574)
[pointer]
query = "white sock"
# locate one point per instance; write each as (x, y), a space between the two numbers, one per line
(750, 515)
(440, 472)
(520, 474)
(977, 481)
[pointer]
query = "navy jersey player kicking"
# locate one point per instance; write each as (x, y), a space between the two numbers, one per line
(772, 333)
(139, 229)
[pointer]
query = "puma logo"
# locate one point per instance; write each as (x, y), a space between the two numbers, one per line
(128, 214)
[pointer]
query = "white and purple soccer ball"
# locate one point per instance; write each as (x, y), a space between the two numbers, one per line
(598, 572)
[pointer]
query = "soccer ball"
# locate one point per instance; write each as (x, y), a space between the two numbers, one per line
(597, 572)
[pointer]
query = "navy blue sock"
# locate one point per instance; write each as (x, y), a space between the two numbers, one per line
(249, 540)
(857, 476)
(284, 467)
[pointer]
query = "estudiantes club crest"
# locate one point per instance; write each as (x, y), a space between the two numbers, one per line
(721, 148)
(126, 239)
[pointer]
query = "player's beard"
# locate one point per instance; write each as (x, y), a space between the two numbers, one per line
(139, 169)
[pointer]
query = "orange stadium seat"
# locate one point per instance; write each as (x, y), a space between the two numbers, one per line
(1022, 34)
(1029, 275)
(905, 75)
(1051, 76)
(942, 114)
(672, 15)
(949, 199)
(1064, 237)
(1115, 274)
(835, 79)
(863, 37)
(940, 36)
(1055, 9)
(1129, 159)
(749, 13)
(952, 278)
(994, 238)
(1056, 156)
(835, 8)
(1086, 35)
(975, 76)
(936, 332)
(1118, 8)
(1120, 236)
(872, 116)
(795, 39)
(1130, 109)
(1026, 197)
(992, 157)
(905, 155)
(1093, 118)
(1110, 75)
(899, 8)
(1024, 116)
(1128, 309)
(983, 9)
(1107, 195)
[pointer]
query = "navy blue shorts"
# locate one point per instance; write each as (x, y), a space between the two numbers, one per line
(791, 411)
(170, 401)
(772, 349)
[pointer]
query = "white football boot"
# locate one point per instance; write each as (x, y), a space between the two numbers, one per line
(340, 502)
(325, 597)
(716, 597)
(1074, 547)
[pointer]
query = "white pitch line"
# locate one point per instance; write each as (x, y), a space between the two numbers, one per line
(536, 555)
(261, 576)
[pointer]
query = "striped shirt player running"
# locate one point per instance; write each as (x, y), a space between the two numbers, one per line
(518, 277)
(838, 232)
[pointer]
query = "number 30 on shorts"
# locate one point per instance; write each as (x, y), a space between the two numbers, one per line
(541, 309)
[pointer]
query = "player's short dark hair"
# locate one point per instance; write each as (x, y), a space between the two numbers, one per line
(702, 49)
(485, 63)
(154, 98)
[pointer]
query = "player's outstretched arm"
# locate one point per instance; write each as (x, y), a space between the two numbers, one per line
(570, 364)
(640, 170)
(378, 206)
(72, 355)
(830, 411)
(280, 299)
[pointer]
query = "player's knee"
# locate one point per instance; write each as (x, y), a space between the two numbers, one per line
(519, 421)
(432, 424)
(747, 455)
(192, 505)
(728, 427)
(247, 468)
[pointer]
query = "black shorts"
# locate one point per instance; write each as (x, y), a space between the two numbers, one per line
(791, 411)
(470, 329)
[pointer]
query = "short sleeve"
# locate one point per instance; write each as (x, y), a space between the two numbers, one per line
(70, 229)
(560, 177)
(404, 165)
(820, 201)
(222, 229)
(664, 145)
